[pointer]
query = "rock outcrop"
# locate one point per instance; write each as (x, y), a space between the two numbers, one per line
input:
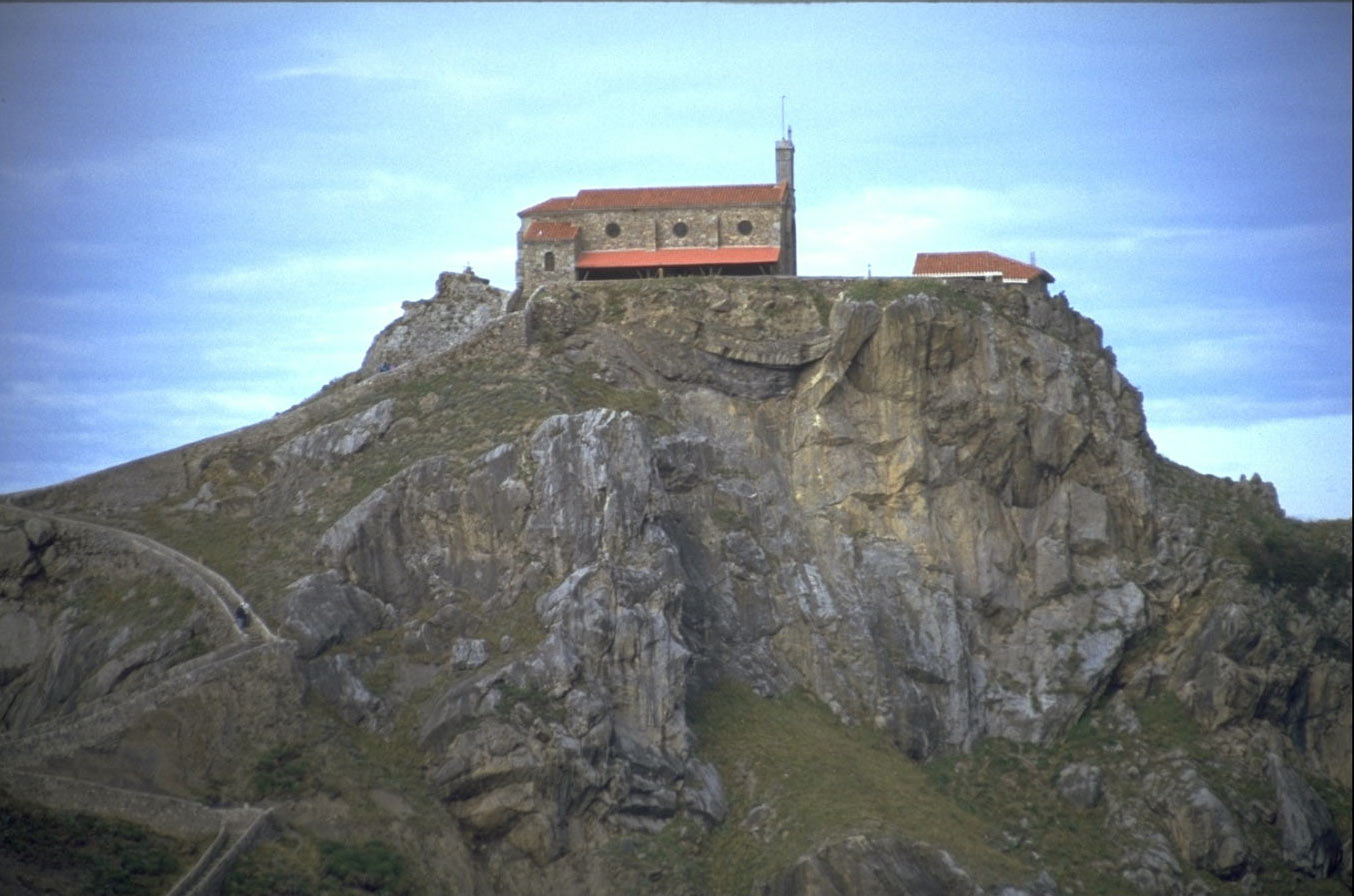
(521, 544)
(462, 306)
(1311, 844)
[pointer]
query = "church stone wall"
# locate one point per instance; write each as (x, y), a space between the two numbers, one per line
(531, 261)
(653, 228)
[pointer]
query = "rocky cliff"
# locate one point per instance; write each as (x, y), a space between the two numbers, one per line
(719, 585)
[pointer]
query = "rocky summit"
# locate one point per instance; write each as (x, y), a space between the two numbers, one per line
(685, 586)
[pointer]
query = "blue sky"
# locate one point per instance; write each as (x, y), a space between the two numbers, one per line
(208, 210)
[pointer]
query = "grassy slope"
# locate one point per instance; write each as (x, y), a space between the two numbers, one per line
(77, 853)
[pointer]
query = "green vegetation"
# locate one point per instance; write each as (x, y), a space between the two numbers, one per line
(372, 867)
(473, 404)
(1288, 553)
(883, 290)
(795, 776)
(282, 772)
(880, 291)
(539, 702)
(823, 305)
(277, 868)
(297, 867)
(84, 854)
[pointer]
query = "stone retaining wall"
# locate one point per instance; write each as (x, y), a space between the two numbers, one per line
(107, 717)
(166, 814)
(235, 829)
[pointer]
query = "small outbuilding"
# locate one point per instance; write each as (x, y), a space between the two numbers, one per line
(987, 266)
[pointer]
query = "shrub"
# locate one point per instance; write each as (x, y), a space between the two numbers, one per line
(281, 771)
(1287, 555)
(104, 856)
(373, 866)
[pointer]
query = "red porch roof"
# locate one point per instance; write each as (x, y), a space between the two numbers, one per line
(550, 231)
(975, 264)
(662, 197)
(652, 258)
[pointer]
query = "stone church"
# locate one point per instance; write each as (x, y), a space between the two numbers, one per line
(632, 232)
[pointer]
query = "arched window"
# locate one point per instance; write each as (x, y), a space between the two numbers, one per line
(550, 261)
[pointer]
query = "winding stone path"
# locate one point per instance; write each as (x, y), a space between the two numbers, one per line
(205, 582)
(234, 829)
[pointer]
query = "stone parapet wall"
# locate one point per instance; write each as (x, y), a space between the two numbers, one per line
(166, 814)
(234, 830)
(208, 874)
(111, 715)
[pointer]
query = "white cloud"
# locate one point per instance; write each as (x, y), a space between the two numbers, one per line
(310, 270)
(374, 187)
(1077, 225)
(361, 66)
(148, 163)
(441, 76)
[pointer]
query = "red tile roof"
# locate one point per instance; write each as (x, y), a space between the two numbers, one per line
(550, 231)
(647, 258)
(662, 197)
(558, 204)
(975, 264)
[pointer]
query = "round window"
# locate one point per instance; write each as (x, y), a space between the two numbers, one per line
(679, 229)
(613, 229)
(745, 227)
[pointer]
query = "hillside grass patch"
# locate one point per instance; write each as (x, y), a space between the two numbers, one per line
(796, 777)
(1291, 554)
(86, 854)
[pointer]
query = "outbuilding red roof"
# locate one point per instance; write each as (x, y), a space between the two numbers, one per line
(662, 197)
(557, 204)
(976, 264)
(650, 258)
(550, 231)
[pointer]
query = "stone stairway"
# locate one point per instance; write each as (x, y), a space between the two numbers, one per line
(233, 830)
(206, 583)
(100, 719)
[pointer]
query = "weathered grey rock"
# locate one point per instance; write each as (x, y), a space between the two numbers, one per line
(14, 553)
(1311, 843)
(463, 306)
(40, 532)
(872, 866)
(1042, 885)
(203, 502)
(595, 480)
(1208, 836)
(1202, 828)
(426, 535)
(469, 653)
(941, 516)
(703, 793)
(336, 680)
(850, 324)
(123, 659)
(1081, 785)
(321, 611)
(1152, 868)
(22, 641)
(341, 438)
